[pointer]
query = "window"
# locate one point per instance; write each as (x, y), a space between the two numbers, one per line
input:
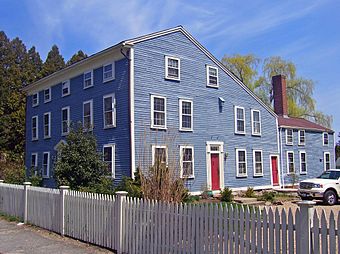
(47, 125)
(109, 111)
(159, 155)
(65, 120)
(65, 88)
(303, 162)
(240, 123)
(109, 158)
(290, 163)
(256, 122)
(325, 139)
(35, 99)
(327, 160)
(258, 164)
(212, 76)
(108, 72)
(185, 115)
(172, 68)
(46, 165)
(88, 79)
(35, 128)
(88, 115)
(241, 162)
(34, 160)
(302, 137)
(158, 112)
(289, 137)
(187, 161)
(47, 95)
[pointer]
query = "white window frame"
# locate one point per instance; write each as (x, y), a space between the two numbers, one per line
(112, 95)
(48, 125)
(254, 162)
(91, 115)
(37, 103)
(323, 139)
(181, 115)
(48, 165)
(288, 172)
(36, 128)
(244, 120)
(113, 159)
(35, 161)
(67, 84)
(304, 137)
(181, 161)
(253, 122)
(167, 68)
(237, 163)
(154, 152)
(50, 95)
(152, 112)
(112, 72)
(289, 143)
(68, 121)
(91, 85)
(325, 162)
(300, 157)
(208, 75)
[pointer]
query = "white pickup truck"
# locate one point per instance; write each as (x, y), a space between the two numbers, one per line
(325, 187)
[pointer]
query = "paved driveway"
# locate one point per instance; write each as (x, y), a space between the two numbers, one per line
(28, 239)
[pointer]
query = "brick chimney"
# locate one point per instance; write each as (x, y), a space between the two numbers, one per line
(280, 95)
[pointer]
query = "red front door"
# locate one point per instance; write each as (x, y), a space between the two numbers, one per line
(215, 171)
(275, 171)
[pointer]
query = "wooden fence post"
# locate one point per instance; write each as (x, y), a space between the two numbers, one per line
(305, 224)
(26, 187)
(121, 198)
(63, 191)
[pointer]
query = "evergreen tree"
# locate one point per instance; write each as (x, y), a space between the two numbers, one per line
(54, 62)
(35, 65)
(80, 55)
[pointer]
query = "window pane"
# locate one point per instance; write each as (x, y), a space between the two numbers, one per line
(186, 107)
(107, 154)
(108, 104)
(87, 109)
(241, 156)
(186, 122)
(108, 68)
(159, 119)
(159, 104)
(239, 113)
(108, 118)
(173, 63)
(256, 116)
(160, 155)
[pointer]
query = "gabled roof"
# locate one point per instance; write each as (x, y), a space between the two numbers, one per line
(300, 123)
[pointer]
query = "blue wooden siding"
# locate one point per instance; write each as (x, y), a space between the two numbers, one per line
(314, 153)
(209, 124)
(120, 135)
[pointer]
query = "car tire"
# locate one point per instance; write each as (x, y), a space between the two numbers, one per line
(330, 197)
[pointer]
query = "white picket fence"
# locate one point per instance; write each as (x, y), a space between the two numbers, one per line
(130, 225)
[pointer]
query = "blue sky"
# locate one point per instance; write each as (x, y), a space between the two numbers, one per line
(306, 32)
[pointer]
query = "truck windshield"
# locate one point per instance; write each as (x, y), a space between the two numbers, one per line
(330, 175)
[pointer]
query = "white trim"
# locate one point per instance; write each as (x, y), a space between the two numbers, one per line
(237, 163)
(48, 124)
(35, 161)
(50, 94)
(192, 161)
(324, 160)
(153, 153)
(181, 128)
(208, 75)
(113, 72)
(286, 135)
(299, 137)
(252, 122)
(112, 96)
(153, 126)
(254, 163)
(68, 120)
(288, 172)
(91, 85)
(68, 83)
(301, 172)
(37, 128)
(113, 158)
(220, 152)
(235, 120)
(323, 139)
(37, 103)
(91, 114)
(167, 68)
(132, 112)
(48, 165)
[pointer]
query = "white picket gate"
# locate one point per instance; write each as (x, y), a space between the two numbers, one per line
(130, 225)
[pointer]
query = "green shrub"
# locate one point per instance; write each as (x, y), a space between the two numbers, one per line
(191, 199)
(268, 196)
(250, 193)
(227, 195)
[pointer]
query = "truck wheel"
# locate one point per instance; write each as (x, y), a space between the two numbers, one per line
(330, 197)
